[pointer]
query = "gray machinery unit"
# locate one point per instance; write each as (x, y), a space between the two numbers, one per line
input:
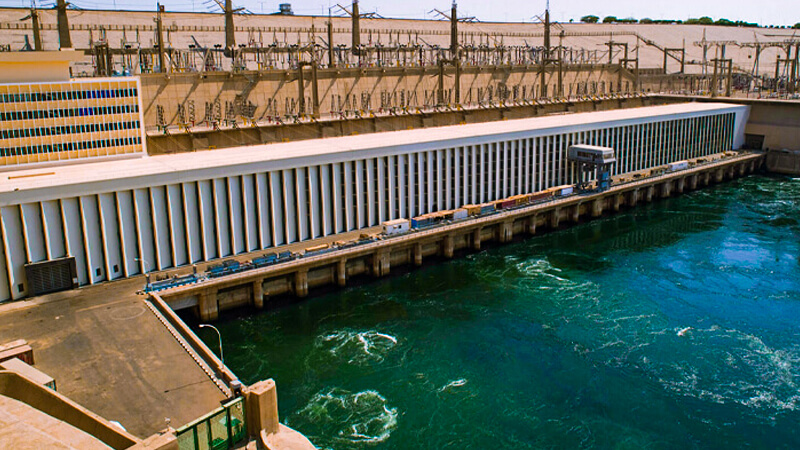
(593, 163)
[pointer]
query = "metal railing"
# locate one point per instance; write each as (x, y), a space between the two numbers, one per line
(220, 429)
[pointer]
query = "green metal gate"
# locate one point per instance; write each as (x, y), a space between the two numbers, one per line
(220, 429)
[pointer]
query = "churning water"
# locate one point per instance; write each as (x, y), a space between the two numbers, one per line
(672, 325)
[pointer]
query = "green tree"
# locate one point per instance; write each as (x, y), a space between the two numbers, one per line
(646, 20)
(797, 26)
(701, 21)
(609, 19)
(724, 22)
(589, 19)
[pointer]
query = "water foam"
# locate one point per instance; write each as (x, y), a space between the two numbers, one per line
(339, 417)
(730, 366)
(453, 384)
(356, 347)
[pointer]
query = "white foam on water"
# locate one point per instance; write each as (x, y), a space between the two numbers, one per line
(730, 366)
(356, 347)
(453, 384)
(339, 416)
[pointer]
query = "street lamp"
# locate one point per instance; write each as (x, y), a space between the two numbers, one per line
(221, 358)
(146, 276)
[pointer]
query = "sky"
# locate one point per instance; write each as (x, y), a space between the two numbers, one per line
(765, 12)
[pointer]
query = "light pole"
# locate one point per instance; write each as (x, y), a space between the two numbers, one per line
(219, 335)
(147, 277)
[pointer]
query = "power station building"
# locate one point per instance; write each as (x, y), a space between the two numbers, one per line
(113, 219)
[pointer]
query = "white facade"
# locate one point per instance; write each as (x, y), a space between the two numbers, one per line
(120, 218)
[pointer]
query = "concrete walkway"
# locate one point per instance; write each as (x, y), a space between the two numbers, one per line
(109, 353)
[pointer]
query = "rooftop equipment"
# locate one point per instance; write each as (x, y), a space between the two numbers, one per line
(593, 163)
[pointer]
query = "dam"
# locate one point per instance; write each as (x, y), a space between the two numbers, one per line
(415, 240)
(176, 210)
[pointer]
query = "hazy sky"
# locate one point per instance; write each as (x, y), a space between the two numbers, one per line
(776, 12)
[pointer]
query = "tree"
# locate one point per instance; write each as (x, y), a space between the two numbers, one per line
(646, 20)
(797, 26)
(609, 19)
(589, 19)
(724, 22)
(701, 21)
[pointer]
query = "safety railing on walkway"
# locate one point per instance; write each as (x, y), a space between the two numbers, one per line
(220, 429)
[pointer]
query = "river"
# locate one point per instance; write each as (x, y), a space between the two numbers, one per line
(670, 325)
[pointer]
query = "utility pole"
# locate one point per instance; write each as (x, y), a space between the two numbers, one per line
(560, 92)
(37, 36)
(64, 40)
(160, 38)
(356, 32)
(546, 52)
(454, 60)
(454, 32)
(331, 59)
(547, 31)
(230, 39)
(729, 84)
(714, 78)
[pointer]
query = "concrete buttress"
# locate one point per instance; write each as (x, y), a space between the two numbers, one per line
(301, 283)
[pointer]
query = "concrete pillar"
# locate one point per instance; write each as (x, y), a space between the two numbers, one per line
(719, 175)
(532, 224)
(258, 294)
(207, 304)
(666, 188)
(417, 254)
(648, 195)
(617, 202)
(301, 283)
(262, 408)
(706, 178)
(680, 184)
(597, 207)
(448, 246)
(505, 231)
(693, 182)
(633, 197)
(555, 217)
(380, 263)
(741, 169)
(341, 272)
(576, 212)
(476, 239)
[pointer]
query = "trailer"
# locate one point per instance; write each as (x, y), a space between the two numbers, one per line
(397, 226)
(472, 210)
(460, 213)
(678, 165)
(487, 208)
(563, 190)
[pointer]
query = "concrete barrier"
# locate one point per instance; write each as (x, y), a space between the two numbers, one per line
(56, 405)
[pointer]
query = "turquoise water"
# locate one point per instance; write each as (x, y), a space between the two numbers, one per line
(673, 325)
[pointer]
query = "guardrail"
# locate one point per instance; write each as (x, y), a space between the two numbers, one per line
(220, 429)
